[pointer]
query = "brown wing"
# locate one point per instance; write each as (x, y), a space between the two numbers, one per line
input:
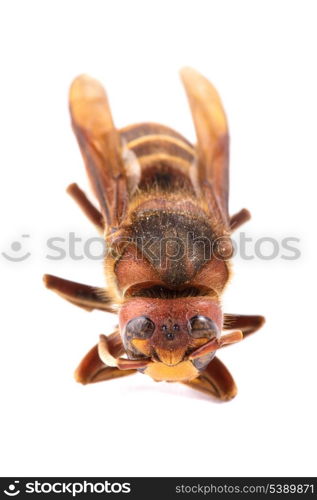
(212, 135)
(100, 145)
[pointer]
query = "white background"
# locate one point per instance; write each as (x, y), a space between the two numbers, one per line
(262, 58)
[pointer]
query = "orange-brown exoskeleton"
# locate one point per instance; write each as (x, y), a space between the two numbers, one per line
(164, 215)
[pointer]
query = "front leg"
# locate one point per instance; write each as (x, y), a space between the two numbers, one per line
(216, 381)
(91, 369)
(216, 343)
(111, 358)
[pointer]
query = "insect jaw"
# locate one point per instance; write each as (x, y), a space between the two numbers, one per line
(205, 352)
(201, 356)
(170, 357)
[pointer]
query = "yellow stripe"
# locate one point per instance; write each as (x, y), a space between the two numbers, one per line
(149, 128)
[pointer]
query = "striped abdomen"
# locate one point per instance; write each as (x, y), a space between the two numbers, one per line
(165, 157)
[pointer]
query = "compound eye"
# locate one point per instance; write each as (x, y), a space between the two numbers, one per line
(136, 337)
(201, 326)
(141, 328)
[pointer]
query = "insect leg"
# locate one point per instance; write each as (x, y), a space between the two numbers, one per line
(85, 296)
(215, 380)
(110, 358)
(239, 218)
(217, 343)
(87, 207)
(247, 324)
(91, 369)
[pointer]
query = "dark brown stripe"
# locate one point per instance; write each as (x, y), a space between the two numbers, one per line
(161, 292)
(164, 172)
(162, 159)
(165, 178)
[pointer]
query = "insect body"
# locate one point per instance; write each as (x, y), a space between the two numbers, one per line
(164, 216)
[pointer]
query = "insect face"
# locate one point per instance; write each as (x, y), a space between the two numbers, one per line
(167, 331)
